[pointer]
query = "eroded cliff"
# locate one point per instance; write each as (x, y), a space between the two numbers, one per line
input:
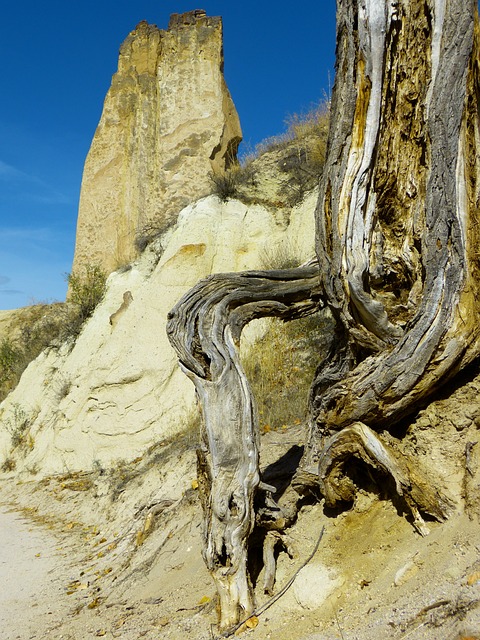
(168, 121)
(118, 390)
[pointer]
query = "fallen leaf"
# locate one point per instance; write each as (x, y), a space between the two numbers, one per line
(119, 623)
(473, 578)
(204, 600)
(252, 622)
(195, 484)
(76, 585)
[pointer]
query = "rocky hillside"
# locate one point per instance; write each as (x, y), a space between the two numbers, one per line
(117, 389)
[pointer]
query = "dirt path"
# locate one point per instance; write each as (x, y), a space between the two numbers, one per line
(31, 587)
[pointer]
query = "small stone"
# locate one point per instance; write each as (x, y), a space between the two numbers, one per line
(161, 622)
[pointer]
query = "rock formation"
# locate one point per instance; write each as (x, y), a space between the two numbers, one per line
(119, 389)
(168, 121)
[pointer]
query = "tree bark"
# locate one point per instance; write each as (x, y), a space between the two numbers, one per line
(398, 265)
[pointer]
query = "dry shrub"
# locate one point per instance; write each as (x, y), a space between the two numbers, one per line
(17, 424)
(43, 326)
(300, 156)
(280, 368)
(305, 158)
(233, 182)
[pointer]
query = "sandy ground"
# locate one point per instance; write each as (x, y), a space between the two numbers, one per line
(353, 589)
(31, 588)
(82, 557)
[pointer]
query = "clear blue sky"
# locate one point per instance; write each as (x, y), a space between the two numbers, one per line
(57, 62)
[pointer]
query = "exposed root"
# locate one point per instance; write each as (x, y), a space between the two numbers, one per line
(360, 442)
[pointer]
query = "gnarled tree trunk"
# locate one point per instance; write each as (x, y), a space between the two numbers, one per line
(205, 328)
(397, 218)
(398, 265)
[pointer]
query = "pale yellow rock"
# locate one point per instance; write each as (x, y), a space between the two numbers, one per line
(119, 389)
(314, 584)
(168, 121)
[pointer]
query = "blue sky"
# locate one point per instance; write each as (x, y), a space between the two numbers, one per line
(58, 60)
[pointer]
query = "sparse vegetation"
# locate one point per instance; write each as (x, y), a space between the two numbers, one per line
(280, 256)
(63, 389)
(9, 356)
(9, 464)
(148, 233)
(305, 157)
(40, 326)
(119, 475)
(48, 325)
(280, 368)
(17, 425)
(299, 158)
(86, 290)
(234, 183)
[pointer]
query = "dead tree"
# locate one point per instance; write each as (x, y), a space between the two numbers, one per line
(398, 265)
(205, 329)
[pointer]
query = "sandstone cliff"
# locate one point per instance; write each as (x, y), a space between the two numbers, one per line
(168, 121)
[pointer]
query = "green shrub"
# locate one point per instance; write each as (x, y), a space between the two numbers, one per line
(87, 289)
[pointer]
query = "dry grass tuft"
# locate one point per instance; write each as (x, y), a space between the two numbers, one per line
(299, 156)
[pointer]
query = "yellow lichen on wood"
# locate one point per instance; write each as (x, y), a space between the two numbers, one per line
(361, 109)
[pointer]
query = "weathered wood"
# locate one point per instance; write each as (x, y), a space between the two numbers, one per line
(205, 328)
(397, 217)
(269, 561)
(360, 442)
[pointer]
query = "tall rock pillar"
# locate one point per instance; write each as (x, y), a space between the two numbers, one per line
(168, 121)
